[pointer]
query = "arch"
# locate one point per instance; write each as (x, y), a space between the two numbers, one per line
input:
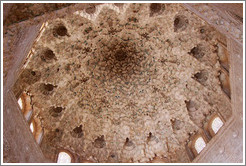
(199, 144)
(214, 124)
(32, 127)
(38, 130)
(34, 123)
(25, 104)
(20, 103)
(39, 137)
(65, 156)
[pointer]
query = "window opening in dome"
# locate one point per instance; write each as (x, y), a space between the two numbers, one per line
(200, 144)
(216, 124)
(64, 157)
(31, 127)
(20, 103)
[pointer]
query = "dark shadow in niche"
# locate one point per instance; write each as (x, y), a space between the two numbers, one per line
(197, 52)
(91, 9)
(201, 77)
(176, 124)
(151, 139)
(60, 30)
(129, 143)
(47, 55)
(180, 23)
(55, 111)
(77, 132)
(47, 89)
(156, 8)
(100, 142)
(191, 105)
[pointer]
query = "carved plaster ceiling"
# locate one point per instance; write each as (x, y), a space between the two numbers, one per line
(125, 83)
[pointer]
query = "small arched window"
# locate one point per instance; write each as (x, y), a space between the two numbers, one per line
(36, 129)
(20, 103)
(216, 124)
(25, 104)
(34, 123)
(64, 157)
(32, 127)
(199, 144)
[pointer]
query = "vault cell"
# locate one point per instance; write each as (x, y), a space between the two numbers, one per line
(47, 55)
(60, 30)
(77, 132)
(180, 23)
(100, 142)
(55, 111)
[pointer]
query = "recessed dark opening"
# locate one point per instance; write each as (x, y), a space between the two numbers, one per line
(33, 73)
(128, 142)
(120, 55)
(55, 111)
(149, 136)
(176, 22)
(155, 8)
(61, 30)
(77, 132)
(202, 30)
(48, 87)
(180, 23)
(201, 77)
(196, 52)
(78, 129)
(91, 9)
(47, 55)
(132, 19)
(58, 109)
(99, 142)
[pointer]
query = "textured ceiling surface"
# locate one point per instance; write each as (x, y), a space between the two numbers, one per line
(24, 11)
(124, 83)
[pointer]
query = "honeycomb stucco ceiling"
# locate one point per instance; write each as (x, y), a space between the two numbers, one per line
(124, 83)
